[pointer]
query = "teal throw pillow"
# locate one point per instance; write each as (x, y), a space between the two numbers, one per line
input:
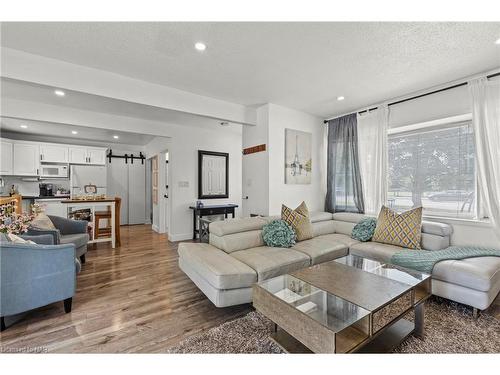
(278, 234)
(363, 231)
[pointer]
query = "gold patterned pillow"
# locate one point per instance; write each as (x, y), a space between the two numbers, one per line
(404, 229)
(299, 220)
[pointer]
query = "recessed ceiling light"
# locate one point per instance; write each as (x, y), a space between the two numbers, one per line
(200, 46)
(497, 41)
(74, 132)
(115, 137)
(339, 98)
(59, 92)
(24, 126)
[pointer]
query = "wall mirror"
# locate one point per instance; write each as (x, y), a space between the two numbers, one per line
(213, 175)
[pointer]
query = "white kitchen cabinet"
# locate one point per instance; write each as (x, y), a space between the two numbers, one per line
(87, 155)
(78, 155)
(53, 207)
(96, 156)
(26, 159)
(6, 162)
(54, 153)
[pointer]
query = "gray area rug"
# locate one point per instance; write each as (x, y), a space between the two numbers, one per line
(449, 328)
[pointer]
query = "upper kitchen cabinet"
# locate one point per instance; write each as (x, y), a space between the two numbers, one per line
(78, 155)
(26, 158)
(87, 155)
(96, 156)
(6, 164)
(50, 153)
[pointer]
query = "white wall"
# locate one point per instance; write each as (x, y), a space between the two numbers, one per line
(263, 172)
(281, 118)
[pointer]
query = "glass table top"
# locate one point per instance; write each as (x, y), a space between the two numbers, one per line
(389, 271)
(327, 309)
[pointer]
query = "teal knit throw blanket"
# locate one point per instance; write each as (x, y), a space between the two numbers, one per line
(424, 261)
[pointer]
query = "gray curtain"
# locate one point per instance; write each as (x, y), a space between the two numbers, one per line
(344, 190)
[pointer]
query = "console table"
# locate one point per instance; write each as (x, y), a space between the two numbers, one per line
(199, 212)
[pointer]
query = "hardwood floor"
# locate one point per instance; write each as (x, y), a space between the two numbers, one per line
(130, 299)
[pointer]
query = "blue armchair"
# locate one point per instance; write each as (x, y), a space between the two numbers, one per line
(35, 275)
(67, 231)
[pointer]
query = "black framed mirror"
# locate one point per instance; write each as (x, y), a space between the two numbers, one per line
(213, 174)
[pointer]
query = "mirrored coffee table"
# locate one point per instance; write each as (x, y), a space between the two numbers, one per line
(351, 304)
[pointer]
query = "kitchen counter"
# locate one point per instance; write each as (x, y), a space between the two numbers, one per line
(46, 197)
(87, 200)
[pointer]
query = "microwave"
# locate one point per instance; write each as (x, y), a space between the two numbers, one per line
(54, 171)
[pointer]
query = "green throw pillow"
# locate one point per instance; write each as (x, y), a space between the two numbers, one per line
(278, 234)
(363, 231)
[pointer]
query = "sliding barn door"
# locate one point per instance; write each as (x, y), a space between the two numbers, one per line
(137, 193)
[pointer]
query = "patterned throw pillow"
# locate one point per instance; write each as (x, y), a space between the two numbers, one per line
(404, 229)
(278, 234)
(363, 231)
(299, 220)
(42, 221)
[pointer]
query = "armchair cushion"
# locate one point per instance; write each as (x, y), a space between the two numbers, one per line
(43, 239)
(78, 239)
(67, 226)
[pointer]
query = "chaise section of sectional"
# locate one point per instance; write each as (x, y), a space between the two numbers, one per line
(222, 278)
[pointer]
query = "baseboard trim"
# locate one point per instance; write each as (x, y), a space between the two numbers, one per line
(180, 237)
(155, 228)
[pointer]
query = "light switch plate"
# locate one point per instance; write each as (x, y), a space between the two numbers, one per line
(183, 184)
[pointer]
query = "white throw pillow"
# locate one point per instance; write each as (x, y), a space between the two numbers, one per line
(16, 239)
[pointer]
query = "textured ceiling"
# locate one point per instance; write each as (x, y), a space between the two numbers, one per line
(299, 65)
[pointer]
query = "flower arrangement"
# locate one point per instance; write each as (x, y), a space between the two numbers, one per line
(11, 222)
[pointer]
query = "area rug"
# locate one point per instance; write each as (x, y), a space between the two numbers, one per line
(449, 328)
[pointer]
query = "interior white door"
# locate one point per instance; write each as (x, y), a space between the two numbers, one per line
(136, 193)
(117, 185)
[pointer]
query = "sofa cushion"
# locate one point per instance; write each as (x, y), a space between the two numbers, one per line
(317, 216)
(439, 229)
(272, 261)
(230, 226)
(219, 269)
(350, 217)
(321, 249)
(237, 241)
(374, 250)
(401, 229)
(78, 239)
(480, 273)
(323, 227)
(341, 238)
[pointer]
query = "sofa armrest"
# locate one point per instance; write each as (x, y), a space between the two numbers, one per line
(68, 226)
(56, 235)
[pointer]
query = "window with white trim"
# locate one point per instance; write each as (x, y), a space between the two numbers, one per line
(434, 168)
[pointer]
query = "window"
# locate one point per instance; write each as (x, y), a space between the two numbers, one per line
(435, 169)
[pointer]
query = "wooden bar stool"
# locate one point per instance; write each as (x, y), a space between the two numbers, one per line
(102, 215)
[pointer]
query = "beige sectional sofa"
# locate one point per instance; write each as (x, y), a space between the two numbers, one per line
(236, 258)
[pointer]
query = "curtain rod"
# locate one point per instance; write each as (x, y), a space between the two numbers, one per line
(419, 96)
